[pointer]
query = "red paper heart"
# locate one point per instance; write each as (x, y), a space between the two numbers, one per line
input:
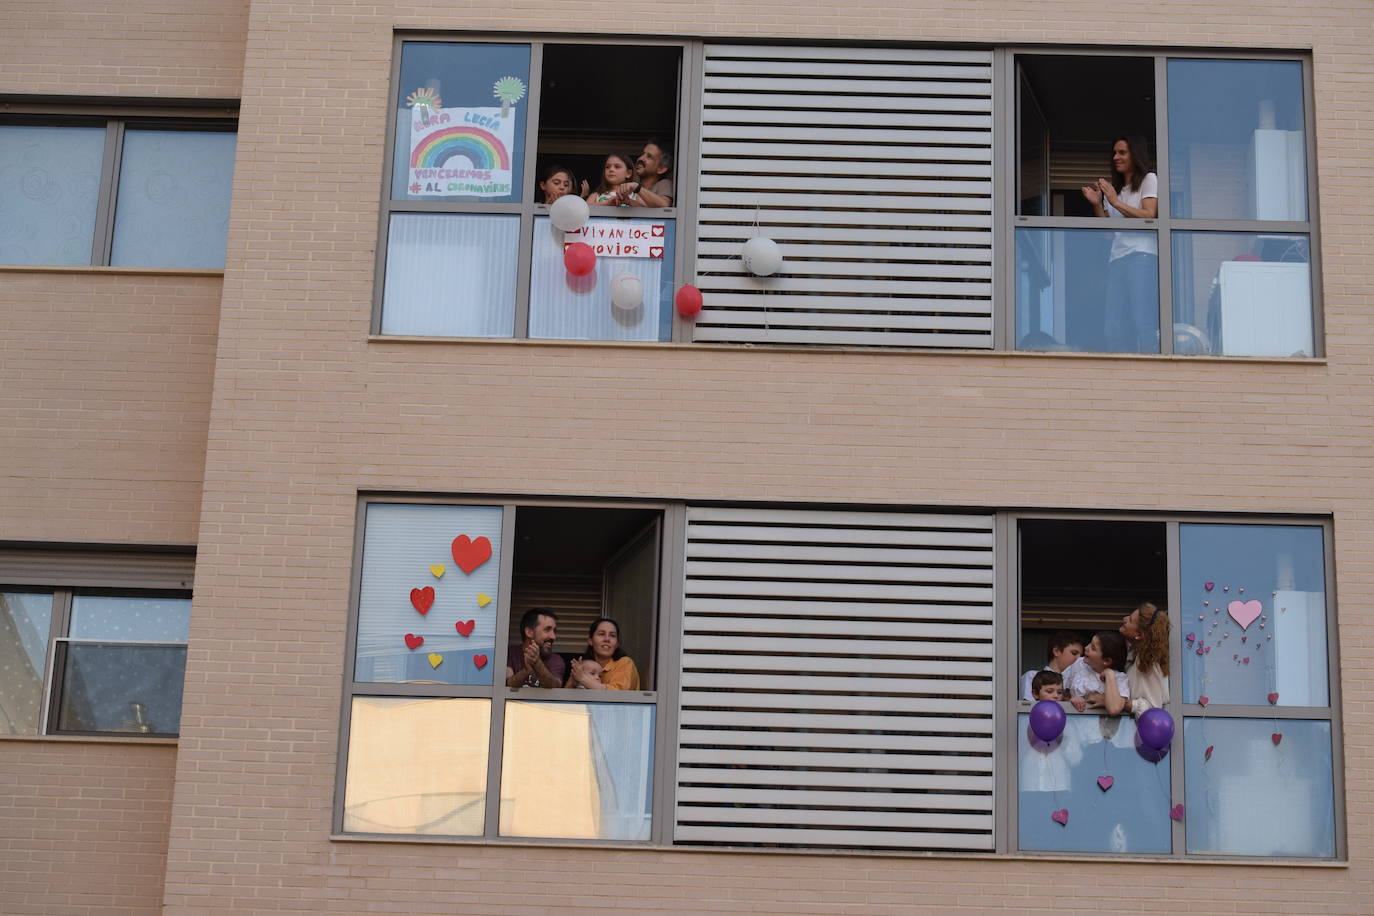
(1176, 813)
(655, 252)
(1273, 698)
(480, 661)
(656, 231)
(422, 599)
(1276, 737)
(1207, 754)
(1105, 782)
(1203, 700)
(413, 641)
(1060, 817)
(464, 628)
(470, 554)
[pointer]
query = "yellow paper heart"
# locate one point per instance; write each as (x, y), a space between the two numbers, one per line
(438, 570)
(435, 659)
(483, 600)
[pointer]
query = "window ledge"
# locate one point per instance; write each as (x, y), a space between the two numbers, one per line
(99, 269)
(1079, 858)
(89, 739)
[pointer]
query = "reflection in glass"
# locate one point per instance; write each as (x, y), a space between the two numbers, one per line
(577, 770)
(460, 122)
(1072, 295)
(400, 544)
(417, 766)
(49, 187)
(451, 275)
(1131, 816)
(1236, 140)
(109, 687)
(25, 619)
(173, 203)
(130, 617)
(1242, 294)
(1255, 797)
(1278, 622)
(563, 306)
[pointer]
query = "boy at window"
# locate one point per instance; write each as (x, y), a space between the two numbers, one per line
(532, 662)
(1047, 685)
(1097, 679)
(1064, 650)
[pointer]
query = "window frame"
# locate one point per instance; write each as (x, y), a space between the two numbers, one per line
(116, 121)
(1011, 706)
(1007, 168)
(666, 643)
(684, 176)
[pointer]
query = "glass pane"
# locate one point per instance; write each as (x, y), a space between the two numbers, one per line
(460, 122)
(49, 187)
(577, 770)
(120, 688)
(133, 618)
(565, 306)
(25, 619)
(427, 604)
(451, 275)
(417, 766)
(1255, 797)
(1254, 614)
(173, 203)
(1087, 289)
(1242, 294)
(1132, 815)
(1236, 140)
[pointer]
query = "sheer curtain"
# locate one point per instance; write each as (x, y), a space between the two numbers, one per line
(451, 275)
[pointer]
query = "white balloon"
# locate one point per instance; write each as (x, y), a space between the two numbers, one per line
(569, 212)
(627, 291)
(762, 256)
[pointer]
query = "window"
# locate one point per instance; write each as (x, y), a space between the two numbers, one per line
(123, 192)
(435, 742)
(1250, 690)
(478, 127)
(1225, 266)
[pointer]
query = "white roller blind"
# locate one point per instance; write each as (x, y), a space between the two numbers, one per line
(836, 680)
(872, 169)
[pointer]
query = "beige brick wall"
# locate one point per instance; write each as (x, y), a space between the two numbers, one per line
(84, 826)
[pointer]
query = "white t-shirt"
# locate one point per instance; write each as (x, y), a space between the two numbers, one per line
(1080, 681)
(1132, 242)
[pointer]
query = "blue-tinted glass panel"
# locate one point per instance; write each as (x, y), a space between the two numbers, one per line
(1072, 294)
(444, 633)
(173, 203)
(1261, 628)
(122, 688)
(578, 770)
(460, 122)
(1130, 816)
(451, 275)
(1237, 146)
(565, 306)
(1242, 294)
(1255, 797)
(134, 618)
(25, 620)
(49, 188)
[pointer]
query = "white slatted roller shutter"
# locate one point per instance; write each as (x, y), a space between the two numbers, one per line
(872, 169)
(836, 680)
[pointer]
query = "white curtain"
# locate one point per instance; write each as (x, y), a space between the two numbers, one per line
(451, 275)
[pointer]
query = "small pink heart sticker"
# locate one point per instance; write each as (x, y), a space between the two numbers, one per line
(1060, 817)
(1176, 813)
(1273, 699)
(1207, 754)
(1105, 782)
(1244, 612)
(1276, 737)
(1203, 700)
(1209, 585)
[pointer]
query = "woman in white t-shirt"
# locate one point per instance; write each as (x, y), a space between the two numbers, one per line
(1132, 320)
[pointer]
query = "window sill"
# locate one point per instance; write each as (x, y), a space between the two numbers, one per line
(89, 739)
(101, 269)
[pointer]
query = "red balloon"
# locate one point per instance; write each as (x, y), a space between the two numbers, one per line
(579, 258)
(688, 300)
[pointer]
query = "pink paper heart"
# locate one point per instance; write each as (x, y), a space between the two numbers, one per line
(1105, 782)
(1273, 699)
(1209, 585)
(1276, 737)
(1060, 817)
(1176, 813)
(1244, 612)
(1203, 700)
(1207, 754)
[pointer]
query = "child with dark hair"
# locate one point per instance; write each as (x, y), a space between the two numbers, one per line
(1064, 649)
(1099, 677)
(617, 183)
(1047, 685)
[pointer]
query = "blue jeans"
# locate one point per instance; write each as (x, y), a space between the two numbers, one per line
(1133, 304)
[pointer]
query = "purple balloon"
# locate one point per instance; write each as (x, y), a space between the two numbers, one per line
(1156, 728)
(1047, 720)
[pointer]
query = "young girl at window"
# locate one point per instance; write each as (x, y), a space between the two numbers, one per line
(557, 181)
(608, 668)
(1097, 679)
(1132, 321)
(618, 186)
(1147, 633)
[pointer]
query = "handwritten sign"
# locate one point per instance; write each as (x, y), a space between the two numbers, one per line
(460, 152)
(618, 238)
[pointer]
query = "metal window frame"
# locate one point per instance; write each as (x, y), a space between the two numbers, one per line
(1010, 705)
(1165, 224)
(686, 143)
(498, 695)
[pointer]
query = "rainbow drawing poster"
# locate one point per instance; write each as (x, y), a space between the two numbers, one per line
(463, 152)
